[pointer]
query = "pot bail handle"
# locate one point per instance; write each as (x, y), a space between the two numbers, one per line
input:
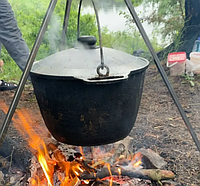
(102, 65)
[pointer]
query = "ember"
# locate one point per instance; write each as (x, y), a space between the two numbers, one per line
(50, 166)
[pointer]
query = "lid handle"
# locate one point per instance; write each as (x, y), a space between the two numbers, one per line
(102, 65)
(87, 40)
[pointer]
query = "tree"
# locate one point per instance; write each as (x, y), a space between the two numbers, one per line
(179, 22)
(191, 29)
(167, 16)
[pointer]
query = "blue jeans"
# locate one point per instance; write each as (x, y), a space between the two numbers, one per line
(11, 36)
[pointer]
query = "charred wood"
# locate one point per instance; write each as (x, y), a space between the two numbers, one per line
(16, 153)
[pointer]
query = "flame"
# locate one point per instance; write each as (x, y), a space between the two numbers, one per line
(34, 134)
(137, 160)
(86, 181)
(22, 122)
(120, 171)
(111, 177)
(81, 151)
(45, 168)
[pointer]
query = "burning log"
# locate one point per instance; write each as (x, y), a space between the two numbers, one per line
(58, 156)
(132, 169)
(151, 159)
(79, 169)
(148, 174)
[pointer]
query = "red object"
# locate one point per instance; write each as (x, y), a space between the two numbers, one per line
(176, 57)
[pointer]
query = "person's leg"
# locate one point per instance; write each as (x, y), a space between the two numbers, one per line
(1, 61)
(0, 48)
(11, 36)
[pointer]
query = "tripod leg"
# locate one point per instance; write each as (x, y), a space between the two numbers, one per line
(26, 72)
(162, 72)
(65, 25)
(78, 22)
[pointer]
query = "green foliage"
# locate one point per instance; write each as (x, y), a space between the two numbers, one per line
(169, 15)
(127, 41)
(11, 72)
(137, 2)
(188, 79)
(30, 16)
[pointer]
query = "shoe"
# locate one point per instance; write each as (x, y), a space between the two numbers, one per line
(7, 86)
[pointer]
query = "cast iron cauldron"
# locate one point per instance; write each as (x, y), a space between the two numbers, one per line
(80, 108)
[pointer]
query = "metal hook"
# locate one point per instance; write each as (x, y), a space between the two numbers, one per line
(102, 66)
(78, 23)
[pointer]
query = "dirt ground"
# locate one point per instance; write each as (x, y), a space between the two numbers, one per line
(159, 125)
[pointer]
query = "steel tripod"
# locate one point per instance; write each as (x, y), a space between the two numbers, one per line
(37, 44)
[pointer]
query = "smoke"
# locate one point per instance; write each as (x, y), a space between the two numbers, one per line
(53, 33)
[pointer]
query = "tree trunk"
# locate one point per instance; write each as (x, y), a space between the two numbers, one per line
(191, 29)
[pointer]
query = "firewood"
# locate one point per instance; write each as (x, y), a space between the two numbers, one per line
(74, 182)
(113, 159)
(157, 174)
(118, 152)
(128, 143)
(151, 159)
(101, 162)
(86, 166)
(56, 153)
(148, 174)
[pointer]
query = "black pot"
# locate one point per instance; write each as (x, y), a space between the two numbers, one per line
(80, 108)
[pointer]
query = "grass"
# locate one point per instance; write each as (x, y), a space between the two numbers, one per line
(11, 72)
(188, 79)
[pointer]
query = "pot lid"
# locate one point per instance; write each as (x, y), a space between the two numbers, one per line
(82, 63)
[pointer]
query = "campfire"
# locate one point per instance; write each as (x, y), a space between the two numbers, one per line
(113, 164)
